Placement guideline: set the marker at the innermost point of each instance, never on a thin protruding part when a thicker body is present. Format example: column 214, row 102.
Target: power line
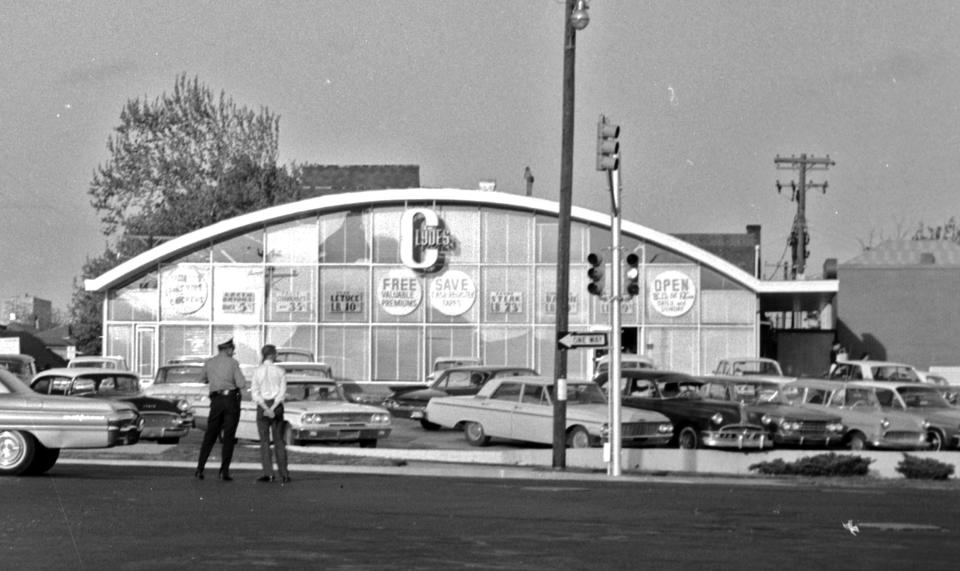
column 799, row 235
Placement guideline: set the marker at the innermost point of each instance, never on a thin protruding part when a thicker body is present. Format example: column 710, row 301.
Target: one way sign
column 569, row 340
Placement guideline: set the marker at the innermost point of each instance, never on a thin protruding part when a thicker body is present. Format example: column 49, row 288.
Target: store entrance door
column 144, row 361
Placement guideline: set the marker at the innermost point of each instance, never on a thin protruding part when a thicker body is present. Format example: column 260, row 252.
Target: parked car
column 98, row 362
column 317, row 411
column 163, row 421
column 455, row 381
column 867, row 425
column 926, row 403
column 697, row 421
column 34, row 428
column 443, row 363
column 868, row 370
column 627, row 361
column 756, row 367
column 767, row 406
column 23, row 366
column 362, row 394
column 182, row 382
column 949, row 392
column 521, row 408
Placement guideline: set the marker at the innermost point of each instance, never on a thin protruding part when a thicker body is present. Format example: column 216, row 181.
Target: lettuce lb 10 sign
column 672, row 293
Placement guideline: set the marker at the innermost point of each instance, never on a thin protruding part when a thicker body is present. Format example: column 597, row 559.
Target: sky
column 707, row 95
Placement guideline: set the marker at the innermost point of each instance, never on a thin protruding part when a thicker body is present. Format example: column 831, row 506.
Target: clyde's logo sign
column 423, row 239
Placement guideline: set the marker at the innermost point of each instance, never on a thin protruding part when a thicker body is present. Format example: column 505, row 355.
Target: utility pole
column 799, row 236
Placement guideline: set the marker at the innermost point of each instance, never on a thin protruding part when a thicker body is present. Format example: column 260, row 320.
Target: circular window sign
column 185, row 290
column 672, row 293
column 452, row 293
column 399, row 292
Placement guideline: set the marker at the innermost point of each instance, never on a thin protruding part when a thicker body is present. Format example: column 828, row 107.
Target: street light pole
column 575, row 18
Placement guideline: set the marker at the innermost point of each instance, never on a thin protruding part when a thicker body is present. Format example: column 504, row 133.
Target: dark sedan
column 766, row 405
column 163, row 420
column 697, row 421
column 455, row 381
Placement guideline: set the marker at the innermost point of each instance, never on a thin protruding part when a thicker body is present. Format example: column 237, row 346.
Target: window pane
column 453, row 295
column 399, row 295
column 136, row 301
column 245, row 249
column 507, row 238
column 451, row 342
column 295, row 242
column 120, row 341
column 463, row 224
column 346, row 350
column 290, row 293
column 344, row 294
column 238, row 294
column 397, row 354
column 178, row 341
column 344, row 237
column 386, row 232
column 508, row 294
column 507, row 346
column 294, row 336
column 247, row 339
column 185, row 292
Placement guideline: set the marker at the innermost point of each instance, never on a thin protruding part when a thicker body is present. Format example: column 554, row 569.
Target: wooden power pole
column 799, row 236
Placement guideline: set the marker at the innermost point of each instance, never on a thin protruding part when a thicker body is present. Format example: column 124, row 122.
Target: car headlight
column 665, row 428
column 835, row 427
column 717, row 418
column 767, row 419
column 183, row 405
column 380, row 418
column 390, row 403
column 885, row 423
column 605, row 430
column 311, row 418
column 789, row 424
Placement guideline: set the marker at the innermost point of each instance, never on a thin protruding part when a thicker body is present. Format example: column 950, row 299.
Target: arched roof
column 353, row 200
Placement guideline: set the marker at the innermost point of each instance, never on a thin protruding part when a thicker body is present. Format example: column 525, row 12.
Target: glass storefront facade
column 379, row 291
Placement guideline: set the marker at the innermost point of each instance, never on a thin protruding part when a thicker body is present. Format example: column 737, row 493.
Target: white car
column 316, row 410
column 870, row 370
column 99, row 362
column 755, row 367
column 181, row 381
column 521, row 408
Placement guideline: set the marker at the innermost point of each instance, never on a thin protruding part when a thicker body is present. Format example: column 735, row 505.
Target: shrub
column 820, row 465
column 915, row 468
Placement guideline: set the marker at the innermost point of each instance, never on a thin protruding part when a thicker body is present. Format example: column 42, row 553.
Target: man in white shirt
column 267, row 390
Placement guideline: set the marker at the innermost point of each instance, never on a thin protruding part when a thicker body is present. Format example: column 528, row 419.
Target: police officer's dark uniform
column 226, row 381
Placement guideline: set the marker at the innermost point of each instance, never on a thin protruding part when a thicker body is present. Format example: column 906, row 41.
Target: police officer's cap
column 228, row 344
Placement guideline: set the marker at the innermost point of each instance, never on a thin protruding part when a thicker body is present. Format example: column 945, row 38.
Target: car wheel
column 934, row 440
column 17, row 450
column 368, row 443
column 688, row 438
column 473, row 432
column 43, row 459
column 857, row 442
column 578, row 437
column 427, row 425
column 288, row 437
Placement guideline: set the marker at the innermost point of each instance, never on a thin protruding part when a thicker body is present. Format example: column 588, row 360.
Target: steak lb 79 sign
column 672, row 293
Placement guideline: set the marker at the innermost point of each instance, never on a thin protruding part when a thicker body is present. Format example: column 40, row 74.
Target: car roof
column 896, row 385
column 185, row 364
column 872, row 363
column 742, row 379
column 76, row 372
column 490, row 368
column 17, row 357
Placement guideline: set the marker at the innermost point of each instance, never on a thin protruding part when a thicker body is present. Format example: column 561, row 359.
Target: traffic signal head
column 595, row 274
column 633, row 274
column 608, row 147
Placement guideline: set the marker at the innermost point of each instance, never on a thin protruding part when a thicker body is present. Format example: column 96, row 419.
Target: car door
column 497, row 410
column 532, row 418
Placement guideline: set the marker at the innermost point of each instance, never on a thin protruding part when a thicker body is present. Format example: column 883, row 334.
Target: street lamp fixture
column 579, row 18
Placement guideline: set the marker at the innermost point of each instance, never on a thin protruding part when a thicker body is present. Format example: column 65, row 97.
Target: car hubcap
column 475, row 431
column 11, row 449
column 580, row 440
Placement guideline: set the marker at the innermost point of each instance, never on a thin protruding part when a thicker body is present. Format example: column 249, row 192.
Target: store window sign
column 453, row 293
column 346, row 302
column 185, row 290
column 399, row 292
column 292, row 302
column 506, row 302
column 672, row 293
column 423, row 239
column 550, row 303
column 244, row 302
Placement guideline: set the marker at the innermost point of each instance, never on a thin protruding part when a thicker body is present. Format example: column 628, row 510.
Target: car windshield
column 923, row 397
column 113, row 384
column 895, row 373
column 582, row 393
column 312, row 392
column 755, row 368
column 177, row 375
column 861, row 397
column 758, row 393
column 15, row 366
column 310, row 372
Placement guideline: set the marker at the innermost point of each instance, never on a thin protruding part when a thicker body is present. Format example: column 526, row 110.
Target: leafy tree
column 181, row 162
column 176, row 150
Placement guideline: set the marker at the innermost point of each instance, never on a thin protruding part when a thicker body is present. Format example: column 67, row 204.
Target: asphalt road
column 133, row 517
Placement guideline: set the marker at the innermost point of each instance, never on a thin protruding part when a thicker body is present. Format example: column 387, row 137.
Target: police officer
column 223, row 374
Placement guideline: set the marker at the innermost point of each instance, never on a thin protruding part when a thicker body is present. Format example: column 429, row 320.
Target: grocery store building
column 380, row 283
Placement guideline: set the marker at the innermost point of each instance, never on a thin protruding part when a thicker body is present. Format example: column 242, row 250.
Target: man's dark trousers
column 224, row 416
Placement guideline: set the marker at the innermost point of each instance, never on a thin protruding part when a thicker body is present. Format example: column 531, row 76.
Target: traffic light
column 608, row 148
column 595, row 273
column 633, row 274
